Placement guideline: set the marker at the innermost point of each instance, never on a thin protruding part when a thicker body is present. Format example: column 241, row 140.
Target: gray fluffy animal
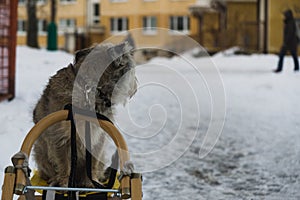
column 101, row 77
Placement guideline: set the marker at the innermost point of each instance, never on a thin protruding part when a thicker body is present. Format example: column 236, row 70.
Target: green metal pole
column 52, row 29
column 52, row 37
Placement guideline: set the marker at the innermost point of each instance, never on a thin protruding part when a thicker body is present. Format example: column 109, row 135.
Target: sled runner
column 16, row 179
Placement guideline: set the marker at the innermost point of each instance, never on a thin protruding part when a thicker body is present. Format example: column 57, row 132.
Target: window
column 116, row 1
column 96, row 14
column 67, row 1
column 42, row 26
column 66, row 25
column 180, row 23
column 21, row 26
column 149, row 24
column 22, row 2
column 41, row 2
column 118, row 24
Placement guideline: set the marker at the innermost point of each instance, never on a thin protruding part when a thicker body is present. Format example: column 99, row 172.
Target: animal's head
column 105, row 76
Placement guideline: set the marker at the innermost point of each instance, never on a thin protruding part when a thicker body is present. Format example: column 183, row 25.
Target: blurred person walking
column 290, row 41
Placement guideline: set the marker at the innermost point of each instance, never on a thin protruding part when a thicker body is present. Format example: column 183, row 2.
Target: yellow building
column 226, row 23
column 77, row 20
column 255, row 25
column 215, row 24
column 154, row 19
column 84, row 22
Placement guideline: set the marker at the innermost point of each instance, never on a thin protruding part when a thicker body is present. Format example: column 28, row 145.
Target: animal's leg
column 45, row 167
column 98, row 170
column 60, row 157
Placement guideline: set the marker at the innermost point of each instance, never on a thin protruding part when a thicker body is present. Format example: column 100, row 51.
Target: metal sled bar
column 62, row 115
column 69, row 189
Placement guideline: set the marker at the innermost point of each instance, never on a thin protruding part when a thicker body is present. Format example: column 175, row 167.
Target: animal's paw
column 86, row 184
column 128, row 168
column 59, row 181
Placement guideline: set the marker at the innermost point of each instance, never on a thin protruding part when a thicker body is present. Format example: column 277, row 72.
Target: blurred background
column 255, row 25
column 251, row 25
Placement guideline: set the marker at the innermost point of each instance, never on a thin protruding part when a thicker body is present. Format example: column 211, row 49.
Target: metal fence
column 8, row 28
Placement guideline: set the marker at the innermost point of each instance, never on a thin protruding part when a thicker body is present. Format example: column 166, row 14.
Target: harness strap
column 113, row 169
column 113, row 172
column 71, row 194
column 88, row 156
column 87, row 113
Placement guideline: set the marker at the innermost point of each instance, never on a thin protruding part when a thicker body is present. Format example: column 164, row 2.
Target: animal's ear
column 117, row 50
column 130, row 41
column 123, row 48
column 81, row 54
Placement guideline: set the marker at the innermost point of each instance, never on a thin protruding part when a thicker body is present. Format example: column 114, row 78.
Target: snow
column 185, row 107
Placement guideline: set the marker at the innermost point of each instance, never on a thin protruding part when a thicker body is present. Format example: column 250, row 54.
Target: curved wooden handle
column 62, row 115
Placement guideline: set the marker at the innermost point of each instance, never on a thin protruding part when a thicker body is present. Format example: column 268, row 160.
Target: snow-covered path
column 258, row 153
column 256, row 157
column 263, row 125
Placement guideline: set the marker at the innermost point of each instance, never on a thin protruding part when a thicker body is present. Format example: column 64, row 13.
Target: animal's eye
column 99, row 92
column 121, row 65
column 117, row 64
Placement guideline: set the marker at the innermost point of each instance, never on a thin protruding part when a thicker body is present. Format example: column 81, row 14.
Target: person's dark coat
column 290, row 40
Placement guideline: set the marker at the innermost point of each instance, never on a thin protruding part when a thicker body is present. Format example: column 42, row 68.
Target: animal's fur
column 100, row 77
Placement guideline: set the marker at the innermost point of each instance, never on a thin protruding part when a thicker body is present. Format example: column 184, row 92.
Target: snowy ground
column 257, row 155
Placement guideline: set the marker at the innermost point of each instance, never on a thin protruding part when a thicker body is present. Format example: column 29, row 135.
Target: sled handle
column 62, row 115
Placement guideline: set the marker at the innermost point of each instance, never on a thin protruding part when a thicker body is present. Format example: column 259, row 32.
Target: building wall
column 73, row 10
column 135, row 10
column 275, row 21
column 211, row 31
column 234, row 26
column 242, row 24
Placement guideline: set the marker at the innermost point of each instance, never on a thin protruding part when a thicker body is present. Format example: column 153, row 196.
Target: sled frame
column 15, row 178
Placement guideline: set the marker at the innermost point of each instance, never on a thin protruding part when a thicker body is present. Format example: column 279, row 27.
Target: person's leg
column 281, row 56
column 295, row 57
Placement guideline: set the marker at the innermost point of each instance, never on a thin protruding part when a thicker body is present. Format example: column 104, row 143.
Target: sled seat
column 36, row 180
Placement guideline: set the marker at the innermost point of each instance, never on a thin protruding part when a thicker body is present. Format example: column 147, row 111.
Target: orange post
column 8, row 184
column 136, row 187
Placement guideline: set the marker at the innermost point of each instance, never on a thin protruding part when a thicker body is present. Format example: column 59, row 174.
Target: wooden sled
column 16, row 179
